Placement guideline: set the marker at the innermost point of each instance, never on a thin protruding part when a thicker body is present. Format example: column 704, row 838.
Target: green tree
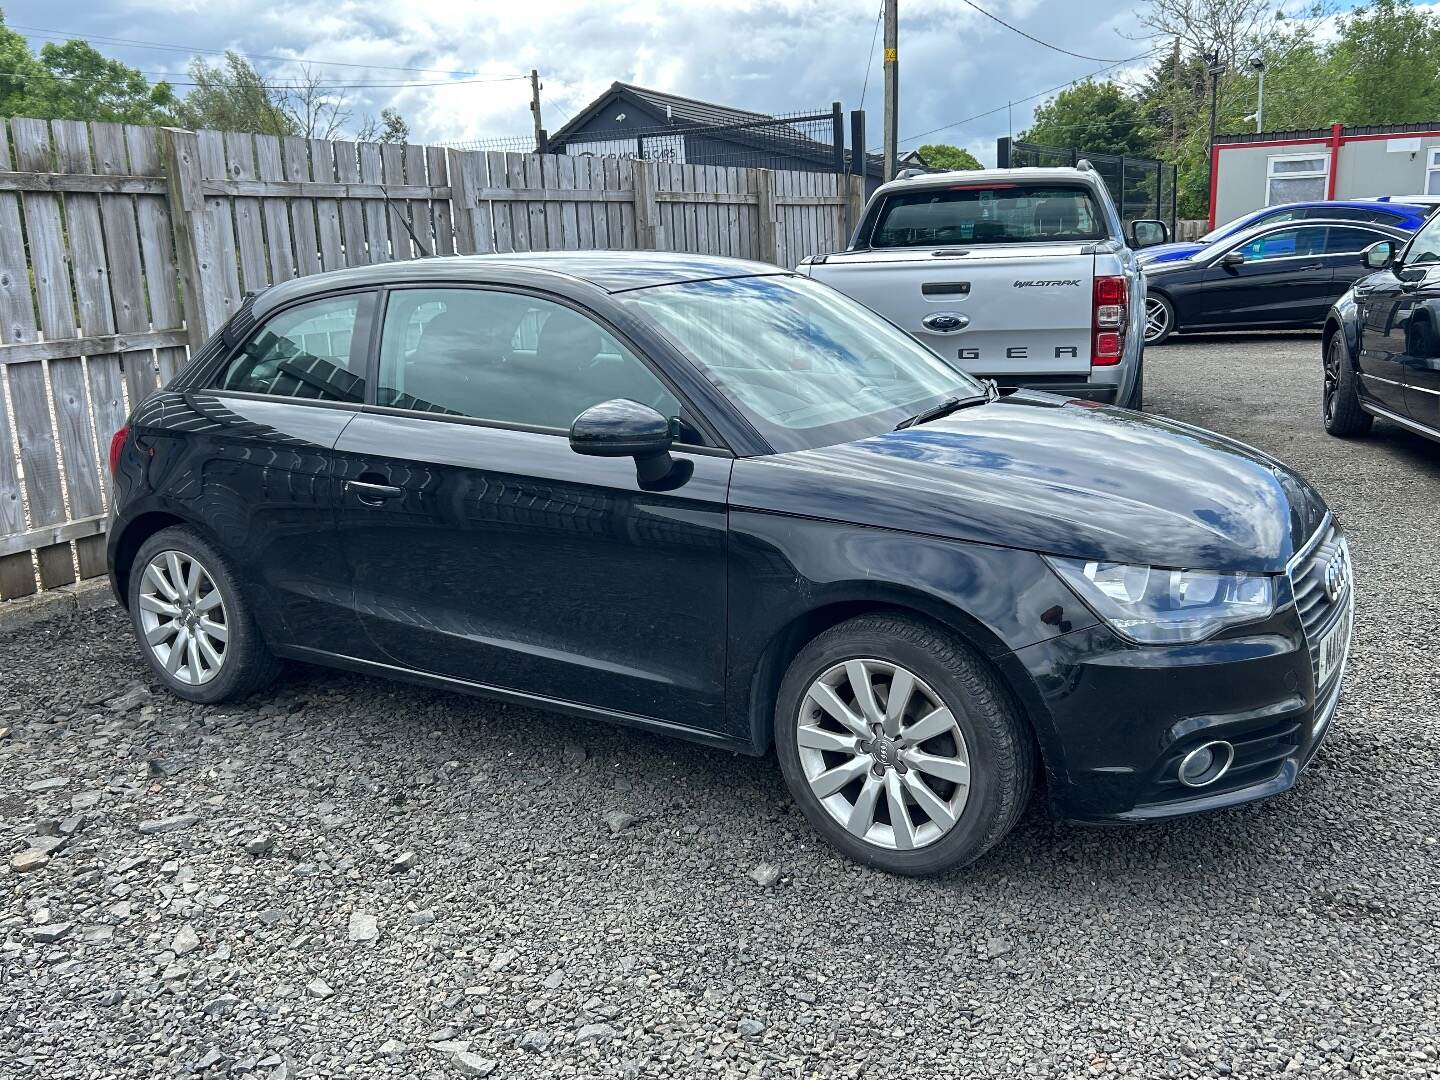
column 233, row 96
column 390, row 128
column 17, row 62
column 1388, row 57
column 1096, row 116
column 944, row 156
column 77, row 83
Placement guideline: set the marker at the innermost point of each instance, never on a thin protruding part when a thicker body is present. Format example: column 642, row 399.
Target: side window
column 314, row 350
column 1284, row 244
column 505, row 356
column 1425, row 248
column 1342, row 241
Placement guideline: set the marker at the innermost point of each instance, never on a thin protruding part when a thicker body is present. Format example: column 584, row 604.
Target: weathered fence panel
column 123, row 247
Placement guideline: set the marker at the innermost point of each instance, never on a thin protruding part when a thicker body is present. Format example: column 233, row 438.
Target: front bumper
column 1116, row 719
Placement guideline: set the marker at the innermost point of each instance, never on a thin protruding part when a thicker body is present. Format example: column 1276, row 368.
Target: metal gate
column 1141, row 187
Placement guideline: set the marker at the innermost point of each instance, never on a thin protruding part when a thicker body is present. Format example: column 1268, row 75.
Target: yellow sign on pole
column 891, row 55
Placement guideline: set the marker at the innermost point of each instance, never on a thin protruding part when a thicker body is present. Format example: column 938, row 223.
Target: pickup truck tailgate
column 1002, row 296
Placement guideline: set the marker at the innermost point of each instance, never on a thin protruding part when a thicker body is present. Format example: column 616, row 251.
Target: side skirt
column 1405, row 422
column 515, row 697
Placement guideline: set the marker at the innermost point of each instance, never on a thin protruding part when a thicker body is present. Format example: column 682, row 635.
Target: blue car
column 1407, row 216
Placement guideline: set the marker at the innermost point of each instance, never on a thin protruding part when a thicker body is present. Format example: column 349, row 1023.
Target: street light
column 1257, row 64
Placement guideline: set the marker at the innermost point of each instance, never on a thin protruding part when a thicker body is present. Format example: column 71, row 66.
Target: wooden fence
column 122, row 247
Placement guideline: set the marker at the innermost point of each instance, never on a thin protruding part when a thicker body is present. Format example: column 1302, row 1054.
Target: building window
column 1432, row 171
column 1296, row 178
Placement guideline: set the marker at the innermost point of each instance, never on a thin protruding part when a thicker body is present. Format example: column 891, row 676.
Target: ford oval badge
column 945, row 322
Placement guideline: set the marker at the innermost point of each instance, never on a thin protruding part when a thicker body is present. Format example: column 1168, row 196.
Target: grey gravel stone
column 403, row 863
column 537, row 1042
column 168, row 824
column 23, row 862
column 765, row 875
column 319, row 988
column 469, row 1064
column 619, row 821
column 259, row 845
column 186, row 940
column 51, row 932
column 363, row 926
column 133, row 698
column 595, row 1033
column 750, row 1026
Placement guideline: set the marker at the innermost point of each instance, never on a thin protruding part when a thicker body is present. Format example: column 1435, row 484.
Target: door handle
column 373, row 494
column 1313, row 266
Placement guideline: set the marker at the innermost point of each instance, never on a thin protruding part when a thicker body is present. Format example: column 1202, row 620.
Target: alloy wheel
column 883, row 754
column 1157, row 319
column 182, row 617
column 1332, row 378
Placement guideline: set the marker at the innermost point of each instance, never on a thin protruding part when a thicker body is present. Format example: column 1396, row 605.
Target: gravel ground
column 348, row 877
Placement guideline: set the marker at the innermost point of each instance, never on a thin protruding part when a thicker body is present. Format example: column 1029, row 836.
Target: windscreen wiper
column 945, row 408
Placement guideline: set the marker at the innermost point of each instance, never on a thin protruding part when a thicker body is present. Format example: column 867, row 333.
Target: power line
column 40, row 31
column 1032, row 97
column 165, row 78
column 1036, row 40
column 870, row 60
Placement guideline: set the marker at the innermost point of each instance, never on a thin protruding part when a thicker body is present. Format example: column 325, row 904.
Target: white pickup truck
column 1023, row 276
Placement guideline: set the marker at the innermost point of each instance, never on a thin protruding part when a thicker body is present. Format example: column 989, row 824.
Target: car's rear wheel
column 1340, row 405
column 900, row 745
column 1159, row 319
column 195, row 629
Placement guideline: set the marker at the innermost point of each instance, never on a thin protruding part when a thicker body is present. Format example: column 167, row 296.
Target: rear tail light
column 1112, row 313
column 117, row 441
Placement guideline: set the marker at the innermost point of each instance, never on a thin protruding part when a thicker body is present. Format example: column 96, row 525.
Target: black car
column 1381, row 344
column 1273, row 277
column 718, row 500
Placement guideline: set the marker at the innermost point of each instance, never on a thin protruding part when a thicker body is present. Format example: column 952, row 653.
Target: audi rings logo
column 945, row 322
column 1335, row 575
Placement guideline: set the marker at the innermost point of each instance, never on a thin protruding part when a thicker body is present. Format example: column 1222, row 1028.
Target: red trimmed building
column 1249, row 172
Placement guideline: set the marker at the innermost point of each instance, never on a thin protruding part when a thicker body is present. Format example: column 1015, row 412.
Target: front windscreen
column 1008, row 213
column 805, row 364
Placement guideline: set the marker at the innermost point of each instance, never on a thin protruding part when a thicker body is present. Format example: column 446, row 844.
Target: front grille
column 1318, row 609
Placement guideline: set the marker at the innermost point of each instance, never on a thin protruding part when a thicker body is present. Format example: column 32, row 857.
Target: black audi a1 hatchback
column 717, row 500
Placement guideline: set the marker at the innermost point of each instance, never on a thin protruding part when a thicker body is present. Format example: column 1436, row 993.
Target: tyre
column 1340, row 406
column 901, row 746
column 1159, row 319
column 194, row 627
column 1136, row 398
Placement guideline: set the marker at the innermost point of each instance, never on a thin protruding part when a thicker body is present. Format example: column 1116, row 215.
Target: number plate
column 1334, row 646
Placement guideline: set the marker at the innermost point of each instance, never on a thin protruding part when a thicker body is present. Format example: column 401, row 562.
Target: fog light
column 1206, row 764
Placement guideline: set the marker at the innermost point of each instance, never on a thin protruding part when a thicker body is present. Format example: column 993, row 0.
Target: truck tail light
column 117, row 441
column 1112, row 313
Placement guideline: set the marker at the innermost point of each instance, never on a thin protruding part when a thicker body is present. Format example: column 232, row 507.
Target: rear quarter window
column 988, row 214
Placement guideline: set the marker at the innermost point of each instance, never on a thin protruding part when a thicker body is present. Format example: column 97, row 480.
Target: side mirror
column 1147, row 233
column 1233, row 258
column 1379, row 255
column 624, row 428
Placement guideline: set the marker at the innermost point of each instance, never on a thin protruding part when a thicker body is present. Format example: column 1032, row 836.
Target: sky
column 465, row 60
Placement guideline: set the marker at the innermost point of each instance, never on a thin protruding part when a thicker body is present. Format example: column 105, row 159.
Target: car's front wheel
column 195, row 629
column 1341, row 402
column 1159, row 319
column 901, row 746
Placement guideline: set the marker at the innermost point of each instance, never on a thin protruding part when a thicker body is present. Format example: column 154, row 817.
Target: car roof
column 1399, row 207
column 993, row 176
column 1241, row 236
column 610, row 271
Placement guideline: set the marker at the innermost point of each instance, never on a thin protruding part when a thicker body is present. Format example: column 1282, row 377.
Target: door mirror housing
column 1233, row 258
column 624, row 428
column 1379, row 255
column 1147, row 232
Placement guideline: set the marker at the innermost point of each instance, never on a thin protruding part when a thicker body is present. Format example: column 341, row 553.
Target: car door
column 1394, row 352
column 483, row 548
column 1282, row 282
column 264, row 428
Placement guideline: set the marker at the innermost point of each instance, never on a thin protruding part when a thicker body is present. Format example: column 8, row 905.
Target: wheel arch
column 782, row 648
column 1336, row 324
column 132, row 535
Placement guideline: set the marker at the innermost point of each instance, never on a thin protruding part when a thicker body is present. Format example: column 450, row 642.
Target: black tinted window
column 988, row 214
column 314, row 350
column 1342, row 241
column 507, row 357
column 1354, row 213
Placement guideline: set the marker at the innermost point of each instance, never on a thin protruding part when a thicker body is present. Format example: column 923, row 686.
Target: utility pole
column 535, row 111
column 1213, row 68
column 892, row 87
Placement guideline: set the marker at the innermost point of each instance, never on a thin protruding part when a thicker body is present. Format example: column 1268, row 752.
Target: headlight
column 1155, row 606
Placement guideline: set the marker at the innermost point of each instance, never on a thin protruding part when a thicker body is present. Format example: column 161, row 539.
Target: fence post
column 858, row 171
column 196, row 251
column 765, row 219
column 471, row 222
column 1002, row 152
column 649, row 234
